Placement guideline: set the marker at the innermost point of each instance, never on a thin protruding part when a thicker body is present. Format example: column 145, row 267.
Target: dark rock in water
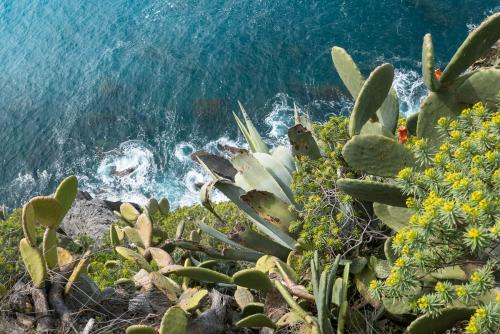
column 122, row 173
column 232, row 150
column 89, row 217
column 219, row 165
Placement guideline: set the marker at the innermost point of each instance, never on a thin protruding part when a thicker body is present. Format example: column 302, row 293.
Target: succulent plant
column 257, row 320
column 49, row 212
column 445, row 321
column 453, row 91
column 253, row 279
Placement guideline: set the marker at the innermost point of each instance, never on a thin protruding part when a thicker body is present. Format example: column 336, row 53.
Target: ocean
column 96, row 86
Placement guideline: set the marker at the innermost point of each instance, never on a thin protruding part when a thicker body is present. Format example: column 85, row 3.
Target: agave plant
column 261, row 189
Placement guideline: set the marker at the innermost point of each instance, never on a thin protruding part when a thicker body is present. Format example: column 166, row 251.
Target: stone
column 91, row 217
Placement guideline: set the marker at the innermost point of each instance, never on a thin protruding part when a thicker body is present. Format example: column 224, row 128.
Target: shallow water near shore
column 92, row 87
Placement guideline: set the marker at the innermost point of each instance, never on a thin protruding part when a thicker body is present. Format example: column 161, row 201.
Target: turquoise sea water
column 89, row 86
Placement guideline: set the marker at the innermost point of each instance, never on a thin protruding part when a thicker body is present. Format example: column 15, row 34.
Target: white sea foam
column 280, row 118
column 136, row 161
column 183, row 151
column 410, row 89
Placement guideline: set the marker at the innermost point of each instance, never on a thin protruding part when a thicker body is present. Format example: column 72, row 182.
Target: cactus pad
column 266, row 263
column 34, row 262
column 28, row 222
column 446, row 320
column 373, row 191
column 129, row 212
column 411, row 123
column 377, row 155
column 375, row 128
column 252, row 308
column 161, row 257
column 133, row 236
column 140, row 329
column 152, row 206
column 303, row 143
column 113, row 236
column 243, row 296
column 144, row 227
column 476, row 44
column 48, row 211
column 348, row 71
column 203, row 275
column 394, row 217
column 370, row 98
column 430, row 79
column 482, row 85
column 253, row 279
column 79, row 269
column 390, row 255
column 174, row 321
column 194, row 236
column 66, row 192
column 191, row 299
column 166, row 285
column 134, row 257
column 164, row 206
column 207, row 264
column 450, row 273
column 258, row 320
column 435, row 106
column 49, row 247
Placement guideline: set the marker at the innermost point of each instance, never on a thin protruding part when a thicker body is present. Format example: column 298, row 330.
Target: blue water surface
column 92, row 86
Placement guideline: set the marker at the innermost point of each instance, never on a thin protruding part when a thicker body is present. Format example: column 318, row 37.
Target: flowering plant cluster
column 330, row 221
column 456, row 224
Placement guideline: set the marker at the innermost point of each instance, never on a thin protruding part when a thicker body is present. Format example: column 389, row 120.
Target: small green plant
column 330, row 222
column 10, row 234
column 456, row 227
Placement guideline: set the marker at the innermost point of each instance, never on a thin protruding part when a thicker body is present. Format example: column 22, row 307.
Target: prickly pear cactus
column 454, row 91
column 203, row 275
column 49, row 248
column 377, row 155
column 253, row 279
column 174, row 321
column 258, row 320
column 34, row 262
column 140, row 329
column 373, row 191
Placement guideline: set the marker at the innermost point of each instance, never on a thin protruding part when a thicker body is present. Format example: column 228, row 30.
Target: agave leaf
column 257, row 141
column 270, row 208
column 234, row 193
column 257, row 176
column 283, row 156
column 280, row 173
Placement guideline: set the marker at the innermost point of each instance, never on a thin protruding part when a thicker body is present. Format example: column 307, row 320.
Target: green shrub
column 228, row 211
column 10, row 234
column 457, row 220
column 105, row 276
column 330, row 222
